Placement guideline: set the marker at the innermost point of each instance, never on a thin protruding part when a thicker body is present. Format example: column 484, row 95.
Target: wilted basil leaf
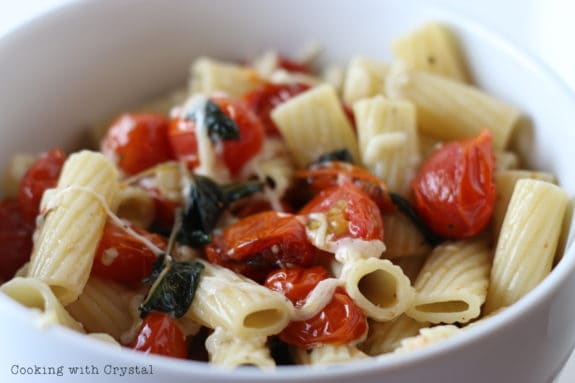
column 204, row 205
column 219, row 125
column 157, row 268
column 342, row 155
column 175, row 291
column 404, row 206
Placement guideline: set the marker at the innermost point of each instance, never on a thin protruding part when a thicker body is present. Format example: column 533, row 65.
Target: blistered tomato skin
column 123, row 258
column 137, row 142
column 296, row 282
column 42, row 175
column 331, row 173
column 339, row 322
column 161, row 335
column 15, row 238
column 454, row 189
column 266, row 97
column 349, row 211
column 235, row 153
column 259, row 243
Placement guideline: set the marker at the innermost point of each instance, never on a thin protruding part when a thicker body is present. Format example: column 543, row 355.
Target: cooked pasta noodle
column 73, row 224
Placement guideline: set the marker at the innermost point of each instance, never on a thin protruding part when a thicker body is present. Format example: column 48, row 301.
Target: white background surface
column 544, row 28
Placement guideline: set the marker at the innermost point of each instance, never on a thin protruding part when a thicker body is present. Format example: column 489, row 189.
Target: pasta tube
column 449, row 110
column 237, row 304
column 103, row 306
column 378, row 287
column 209, row 76
column 313, row 123
column 67, row 240
column 527, row 241
column 387, row 134
column 364, row 78
column 384, row 337
column 35, row 294
column 453, row 283
column 432, row 48
column 228, row 350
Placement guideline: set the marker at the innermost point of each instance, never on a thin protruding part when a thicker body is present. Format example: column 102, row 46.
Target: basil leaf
column 405, row 207
column 204, row 206
column 174, row 292
column 342, row 155
column 219, row 125
column 157, row 268
column 206, row 202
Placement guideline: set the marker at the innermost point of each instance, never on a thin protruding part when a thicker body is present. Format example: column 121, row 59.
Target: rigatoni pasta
column 432, row 48
column 314, row 123
column 387, row 134
column 364, row 78
column 452, row 285
column 104, row 307
column 35, row 294
column 527, row 241
column 384, row 337
column 449, row 110
column 73, row 224
column 237, row 304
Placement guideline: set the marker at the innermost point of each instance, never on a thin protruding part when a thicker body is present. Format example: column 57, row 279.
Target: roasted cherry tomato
column 454, row 189
column 122, row 257
column 269, row 95
column 297, row 282
column 42, row 175
column 137, row 142
column 350, row 213
column 339, row 322
column 160, row 334
column 324, row 175
column 259, row 243
column 292, row 65
column 234, row 153
column 15, row 238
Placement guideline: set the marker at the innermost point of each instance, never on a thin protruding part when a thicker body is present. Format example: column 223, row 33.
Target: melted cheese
column 210, row 163
column 271, row 162
column 316, row 300
column 345, row 249
column 54, row 200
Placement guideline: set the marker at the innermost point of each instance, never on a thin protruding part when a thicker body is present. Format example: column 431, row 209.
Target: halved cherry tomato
column 122, row 257
column 269, row 95
column 454, row 190
column 324, row 175
column 259, row 243
column 138, row 141
column 339, row 322
column 160, row 334
column 15, row 238
column 292, row 65
column 235, row 154
column 42, row 175
column 349, row 211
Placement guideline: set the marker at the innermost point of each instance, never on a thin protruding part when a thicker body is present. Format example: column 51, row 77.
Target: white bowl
column 90, row 59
